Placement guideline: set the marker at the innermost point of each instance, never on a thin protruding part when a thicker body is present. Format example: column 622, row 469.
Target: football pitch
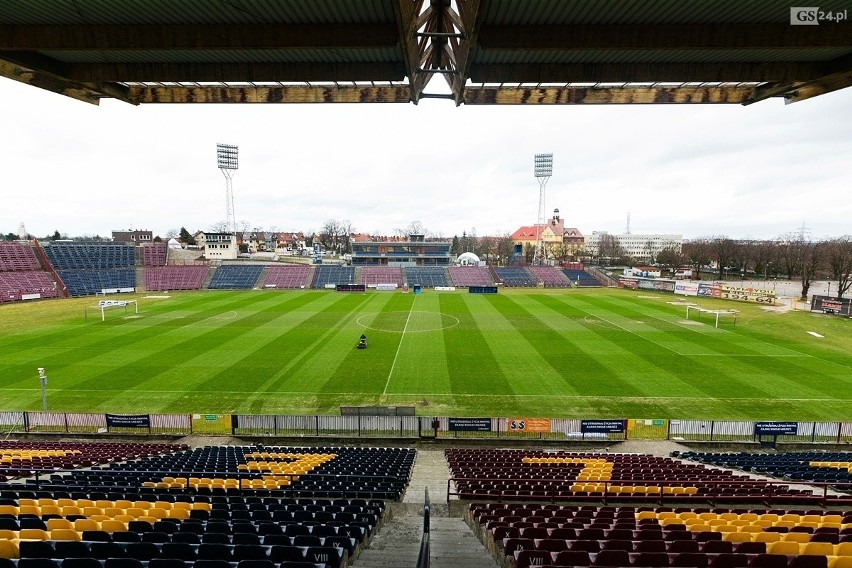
column 549, row 353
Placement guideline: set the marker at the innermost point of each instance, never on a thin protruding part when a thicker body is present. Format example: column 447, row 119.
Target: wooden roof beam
column 49, row 74
column 195, row 37
column 646, row 72
column 607, row 95
column 285, row 94
column 235, row 72
column 661, row 37
column 839, row 76
column 408, row 21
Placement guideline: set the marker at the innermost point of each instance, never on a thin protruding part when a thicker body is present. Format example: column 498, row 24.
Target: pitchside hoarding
column 776, row 428
column 828, row 305
column 756, row 295
column 469, row 424
column 602, row 426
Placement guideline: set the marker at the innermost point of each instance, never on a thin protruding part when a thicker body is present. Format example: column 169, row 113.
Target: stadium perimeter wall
column 446, row 429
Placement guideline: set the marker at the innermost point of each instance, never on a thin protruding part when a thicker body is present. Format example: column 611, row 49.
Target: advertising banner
column 776, row 428
column 686, row 288
column 469, row 424
column 757, row 295
column 709, row 290
column 602, row 426
column 528, row 425
column 828, row 305
column 128, row 420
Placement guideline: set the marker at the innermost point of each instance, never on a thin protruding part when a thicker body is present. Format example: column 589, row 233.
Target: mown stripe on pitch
column 470, row 360
column 541, row 321
column 782, row 374
column 421, row 365
column 526, row 349
column 83, row 344
column 661, row 370
column 256, row 366
column 596, row 351
column 366, row 371
column 206, row 347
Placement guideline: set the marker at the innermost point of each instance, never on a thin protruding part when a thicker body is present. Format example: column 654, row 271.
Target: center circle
column 408, row 322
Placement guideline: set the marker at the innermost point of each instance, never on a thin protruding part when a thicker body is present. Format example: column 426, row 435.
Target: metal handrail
column 423, row 556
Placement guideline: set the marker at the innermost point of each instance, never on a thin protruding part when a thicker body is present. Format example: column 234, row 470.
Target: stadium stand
column 514, row 277
column 21, row 274
column 549, row 276
column 559, row 476
column 466, row 276
column 293, row 276
column 208, row 504
column 235, row 277
column 87, row 255
column 88, row 267
column 814, row 466
column 17, row 257
column 426, row 276
column 580, row 277
column 154, row 254
column 175, row 277
column 571, row 535
column 373, row 275
column 88, row 282
column 15, row 285
column 331, row 275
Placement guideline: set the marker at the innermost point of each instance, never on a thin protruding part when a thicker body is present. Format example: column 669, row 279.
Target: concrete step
column 452, row 544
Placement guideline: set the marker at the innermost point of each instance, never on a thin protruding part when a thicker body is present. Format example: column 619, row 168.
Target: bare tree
column 839, row 260
column 220, row 227
column 670, row 258
column 697, row 252
column 505, row 248
column 723, row 251
column 413, row 228
column 610, row 249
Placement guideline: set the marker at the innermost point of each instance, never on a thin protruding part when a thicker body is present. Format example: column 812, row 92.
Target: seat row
column 327, row 551
column 623, row 559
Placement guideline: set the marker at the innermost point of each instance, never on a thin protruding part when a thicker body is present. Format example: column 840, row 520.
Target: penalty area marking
column 815, row 334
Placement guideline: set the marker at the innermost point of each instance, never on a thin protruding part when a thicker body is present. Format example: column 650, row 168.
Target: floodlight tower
column 226, row 159
column 543, row 169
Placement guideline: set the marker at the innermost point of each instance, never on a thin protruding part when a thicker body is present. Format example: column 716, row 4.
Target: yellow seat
column 771, row 517
column 89, row 524
column 750, row 517
column 113, row 525
column 783, row 547
column 753, row 529
column 9, row 549
column 33, row 534
column 840, row 562
column 767, row 537
column 737, row 537
column 687, row 514
column 817, row 549
column 9, row 510
column 59, row 524
column 64, row 534
column 796, row 537
column 843, row 549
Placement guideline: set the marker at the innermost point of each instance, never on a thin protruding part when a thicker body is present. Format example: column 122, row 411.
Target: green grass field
column 575, row 353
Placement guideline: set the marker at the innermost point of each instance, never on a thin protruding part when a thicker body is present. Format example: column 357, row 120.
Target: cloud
column 755, row 171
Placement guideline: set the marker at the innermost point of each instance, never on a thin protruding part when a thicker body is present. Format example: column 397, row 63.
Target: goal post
column 104, row 305
column 717, row 315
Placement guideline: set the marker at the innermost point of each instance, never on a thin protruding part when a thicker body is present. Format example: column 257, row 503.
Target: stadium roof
column 479, row 51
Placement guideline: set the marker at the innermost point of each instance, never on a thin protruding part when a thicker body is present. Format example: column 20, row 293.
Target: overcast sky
column 758, row 171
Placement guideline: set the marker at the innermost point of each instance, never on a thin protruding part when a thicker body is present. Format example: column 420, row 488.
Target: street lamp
column 43, row 376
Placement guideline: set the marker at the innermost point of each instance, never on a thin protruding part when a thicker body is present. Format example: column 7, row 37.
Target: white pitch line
column 398, row 348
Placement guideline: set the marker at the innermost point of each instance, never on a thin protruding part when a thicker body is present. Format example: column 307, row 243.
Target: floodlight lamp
column 227, row 156
column 41, row 372
column 543, row 165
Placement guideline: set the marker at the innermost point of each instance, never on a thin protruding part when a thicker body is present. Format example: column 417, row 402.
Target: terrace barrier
column 713, row 492
column 391, row 426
